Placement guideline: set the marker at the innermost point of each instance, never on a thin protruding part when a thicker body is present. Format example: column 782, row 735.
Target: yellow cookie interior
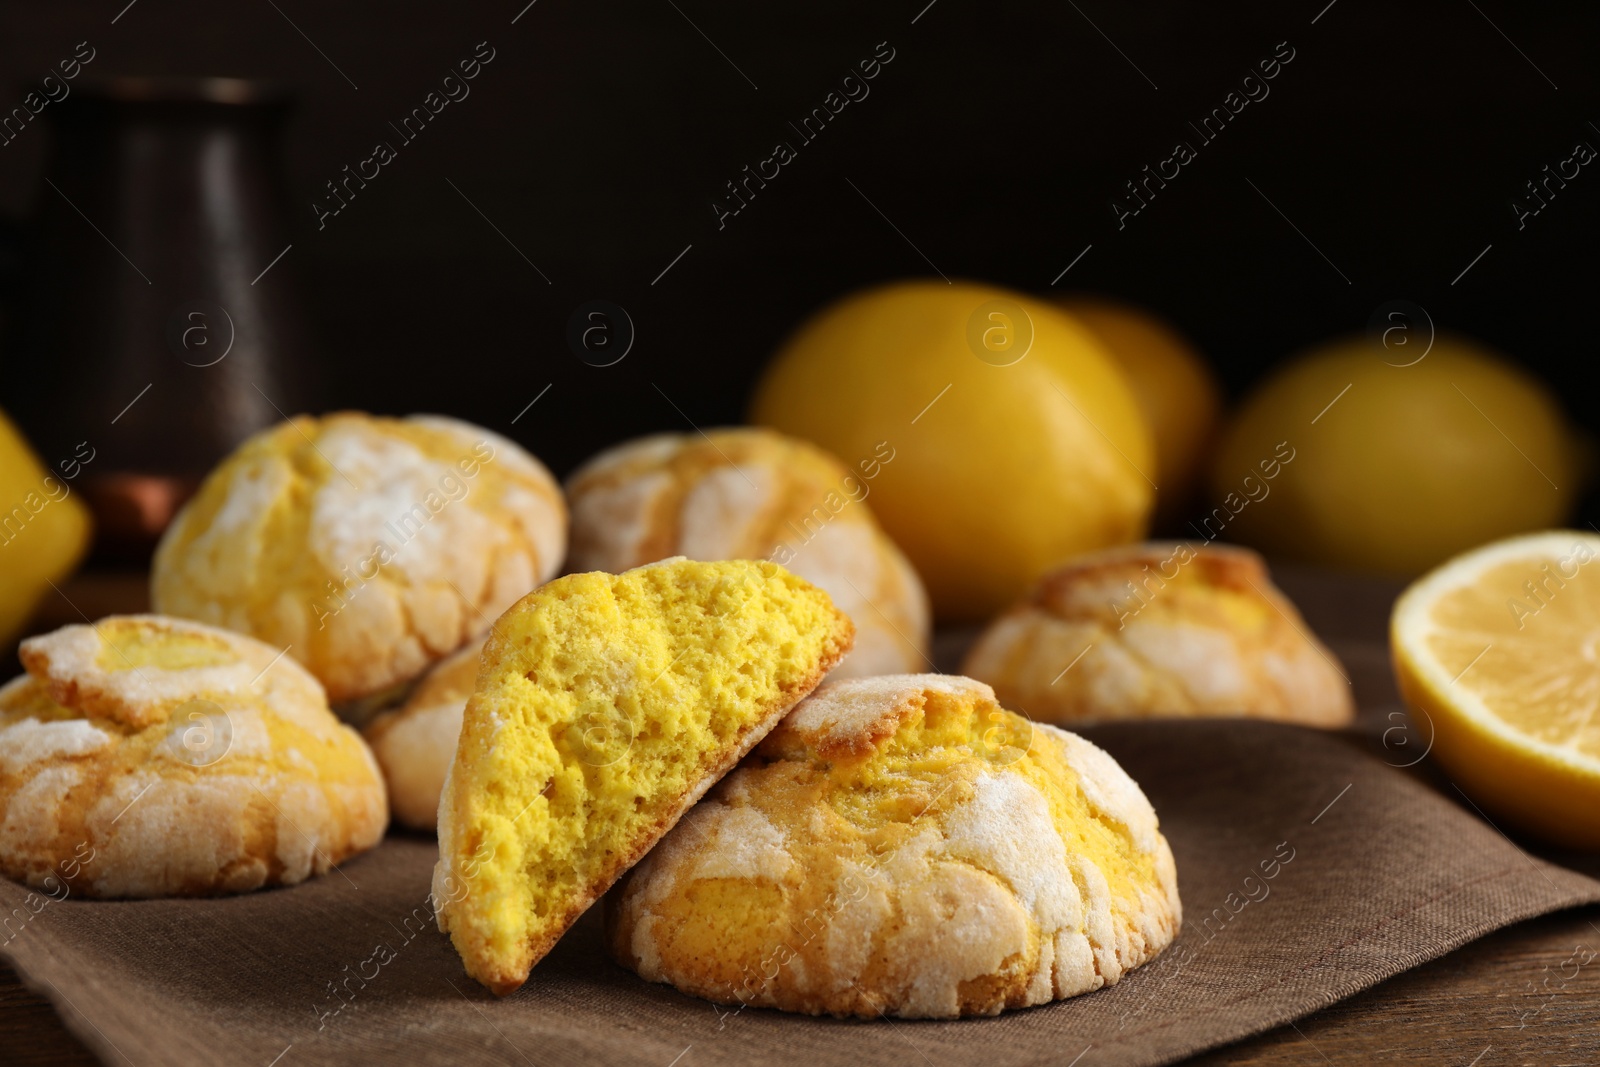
column 130, row 644
column 604, row 705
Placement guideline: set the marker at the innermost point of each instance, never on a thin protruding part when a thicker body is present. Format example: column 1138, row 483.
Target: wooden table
column 1515, row 997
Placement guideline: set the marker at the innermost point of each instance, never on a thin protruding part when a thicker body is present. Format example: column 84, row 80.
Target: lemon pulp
column 1499, row 650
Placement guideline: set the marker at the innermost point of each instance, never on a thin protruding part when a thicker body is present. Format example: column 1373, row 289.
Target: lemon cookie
column 605, row 706
column 415, row 743
column 145, row 756
column 756, row 494
column 1161, row 629
column 904, row 846
column 369, row 547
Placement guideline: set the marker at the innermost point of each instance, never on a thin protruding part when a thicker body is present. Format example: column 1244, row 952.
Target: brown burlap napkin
column 1309, row 870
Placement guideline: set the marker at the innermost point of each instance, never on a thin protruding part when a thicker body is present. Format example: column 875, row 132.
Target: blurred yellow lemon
column 1008, row 438
column 43, row 530
column 1391, row 468
column 1498, row 653
column 1175, row 389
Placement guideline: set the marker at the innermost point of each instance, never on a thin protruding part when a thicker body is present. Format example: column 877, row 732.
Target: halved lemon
column 1499, row 651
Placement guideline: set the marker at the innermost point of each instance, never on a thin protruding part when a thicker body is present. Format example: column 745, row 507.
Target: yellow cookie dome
column 755, row 494
column 1161, row 629
column 368, row 547
column 605, row 706
column 145, row 756
column 904, row 846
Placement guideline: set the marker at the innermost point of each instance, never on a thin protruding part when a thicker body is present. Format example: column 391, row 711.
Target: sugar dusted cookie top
column 903, row 845
column 1161, row 629
column 370, row 547
column 146, row 756
column 750, row 493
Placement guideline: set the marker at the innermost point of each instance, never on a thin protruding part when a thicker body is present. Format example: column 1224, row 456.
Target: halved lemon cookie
column 369, row 547
column 605, row 706
column 904, row 846
column 146, row 756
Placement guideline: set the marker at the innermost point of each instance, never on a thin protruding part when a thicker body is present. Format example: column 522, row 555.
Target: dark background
column 995, row 140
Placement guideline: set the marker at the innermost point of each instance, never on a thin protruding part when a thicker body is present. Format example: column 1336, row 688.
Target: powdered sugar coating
column 749, row 846
column 84, row 667
column 1161, row 629
column 369, row 547
column 145, row 756
column 29, row 741
column 844, row 714
column 721, row 513
column 971, row 900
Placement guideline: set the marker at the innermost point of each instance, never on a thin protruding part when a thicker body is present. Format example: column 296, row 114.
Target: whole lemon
column 1391, row 468
column 44, row 529
column 1174, row 386
column 1000, row 436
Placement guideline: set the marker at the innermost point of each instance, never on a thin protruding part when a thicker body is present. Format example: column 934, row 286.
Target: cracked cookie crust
column 904, row 846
